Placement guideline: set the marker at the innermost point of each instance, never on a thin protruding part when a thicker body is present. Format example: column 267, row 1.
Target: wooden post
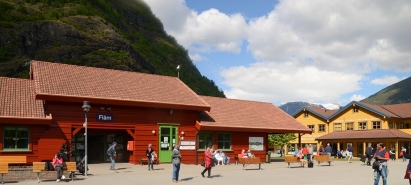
column 299, row 140
column 364, row 146
column 396, row 150
column 338, row 147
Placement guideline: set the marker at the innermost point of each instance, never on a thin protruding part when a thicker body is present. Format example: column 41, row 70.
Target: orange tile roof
column 365, row 134
column 323, row 112
column 17, row 99
column 403, row 110
column 234, row 115
column 380, row 109
column 63, row 81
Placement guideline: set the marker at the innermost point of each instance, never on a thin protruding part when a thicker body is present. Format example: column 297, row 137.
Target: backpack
column 110, row 151
column 48, row 166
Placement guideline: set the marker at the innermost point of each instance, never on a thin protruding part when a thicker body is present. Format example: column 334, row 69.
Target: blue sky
column 294, row 50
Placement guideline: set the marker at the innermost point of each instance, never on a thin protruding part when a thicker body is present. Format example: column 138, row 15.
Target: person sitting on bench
column 58, row 166
column 218, row 157
column 244, row 154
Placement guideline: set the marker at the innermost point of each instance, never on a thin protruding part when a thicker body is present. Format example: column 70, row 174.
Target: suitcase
column 310, row 164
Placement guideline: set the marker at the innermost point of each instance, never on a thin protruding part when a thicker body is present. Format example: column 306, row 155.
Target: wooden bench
column 323, row 158
column 291, row 159
column 38, row 167
column 248, row 161
column 145, row 160
column 6, row 160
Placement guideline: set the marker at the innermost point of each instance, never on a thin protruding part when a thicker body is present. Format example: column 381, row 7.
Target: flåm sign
column 105, row 117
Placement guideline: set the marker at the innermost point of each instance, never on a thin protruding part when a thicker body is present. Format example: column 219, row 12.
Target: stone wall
column 22, row 173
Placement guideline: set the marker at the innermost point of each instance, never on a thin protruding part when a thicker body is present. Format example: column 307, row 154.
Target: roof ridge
column 10, row 78
column 389, row 111
column 238, row 99
column 100, row 68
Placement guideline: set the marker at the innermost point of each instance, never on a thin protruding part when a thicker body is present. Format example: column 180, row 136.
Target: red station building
column 134, row 109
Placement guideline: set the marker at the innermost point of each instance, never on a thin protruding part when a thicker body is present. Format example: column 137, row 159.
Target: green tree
column 280, row 139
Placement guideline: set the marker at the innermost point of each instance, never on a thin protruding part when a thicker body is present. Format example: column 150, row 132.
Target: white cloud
column 267, row 81
column 196, row 57
column 335, row 35
column 356, row 97
column 209, row 30
column 313, row 51
column 386, row 80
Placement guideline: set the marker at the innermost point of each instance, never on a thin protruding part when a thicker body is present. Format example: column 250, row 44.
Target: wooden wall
column 140, row 121
column 35, row 134
column 45, row 141
column 239, row 141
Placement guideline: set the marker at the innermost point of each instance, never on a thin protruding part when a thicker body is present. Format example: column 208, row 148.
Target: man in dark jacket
column 328, row 149
column 64, row 156
column 368, row 153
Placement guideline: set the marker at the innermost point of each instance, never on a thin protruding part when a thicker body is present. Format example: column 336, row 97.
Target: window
column 376, row 125
column 390, row 125
column 337, row 127
column 349, row 126
column 224, row 141
column 355, row 110
column 305, row 114
column 362, row 126
column 204, row 140
column 407, row 125
column 401, row 125
column 311, row 127
column 321, row 128
column 16, row 138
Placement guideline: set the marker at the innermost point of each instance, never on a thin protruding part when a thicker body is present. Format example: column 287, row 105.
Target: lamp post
column 86, row 107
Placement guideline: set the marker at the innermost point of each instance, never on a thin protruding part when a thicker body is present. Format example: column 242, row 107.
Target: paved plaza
column 339, row 173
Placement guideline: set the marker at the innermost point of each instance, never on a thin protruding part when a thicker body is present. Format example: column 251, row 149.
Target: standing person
column 321, row 150
column 176, row 156
column 328, row 150
column 408, row 169
column 208, row 157
column 310, row 152
column 382, row 156
column 305, row 152
column 149, row 154
column 392, row 154
column 112, row 153
column 403, row 150
column 64, row 156
column 368, row 153
column 58, row 166
column 350, row 150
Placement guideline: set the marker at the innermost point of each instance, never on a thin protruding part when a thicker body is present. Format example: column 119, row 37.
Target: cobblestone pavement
column 340, row 172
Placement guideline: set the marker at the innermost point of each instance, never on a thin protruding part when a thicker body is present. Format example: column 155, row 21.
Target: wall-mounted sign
column 105, row 117
column 188, row 143
column 187, row 147
column 256, row 143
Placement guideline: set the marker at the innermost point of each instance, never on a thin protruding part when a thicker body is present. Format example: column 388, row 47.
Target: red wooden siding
column 239, row 141
column 140, row 121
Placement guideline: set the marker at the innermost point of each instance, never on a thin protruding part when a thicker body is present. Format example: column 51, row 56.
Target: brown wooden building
column 133, row 109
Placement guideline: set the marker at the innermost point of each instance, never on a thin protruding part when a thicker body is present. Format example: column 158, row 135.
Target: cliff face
column 62, row 42
column 115, row 34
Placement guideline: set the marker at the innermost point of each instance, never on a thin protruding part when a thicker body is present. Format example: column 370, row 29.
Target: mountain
column 399, row 92
column 115, row 34
column 292, row 107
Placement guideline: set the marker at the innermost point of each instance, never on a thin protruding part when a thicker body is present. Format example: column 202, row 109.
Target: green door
column 168, row 137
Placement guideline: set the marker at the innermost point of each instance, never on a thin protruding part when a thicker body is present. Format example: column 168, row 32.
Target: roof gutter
column 201, row 127
column 69, row 98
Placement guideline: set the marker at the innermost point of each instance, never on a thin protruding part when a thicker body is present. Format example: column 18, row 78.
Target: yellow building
column 357, row 124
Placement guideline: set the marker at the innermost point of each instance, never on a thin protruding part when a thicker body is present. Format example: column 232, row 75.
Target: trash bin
column 268, row 157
